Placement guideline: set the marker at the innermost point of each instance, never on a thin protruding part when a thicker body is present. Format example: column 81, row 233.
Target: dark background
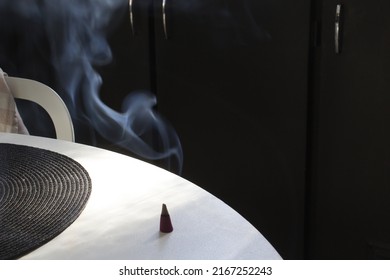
column 272, row 121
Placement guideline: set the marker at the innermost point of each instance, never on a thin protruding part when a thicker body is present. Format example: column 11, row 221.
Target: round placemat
column 41, row 194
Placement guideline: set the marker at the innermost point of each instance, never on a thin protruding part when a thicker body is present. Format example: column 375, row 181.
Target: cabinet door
column 232, row 79
column 130, row 41
column 351, row 160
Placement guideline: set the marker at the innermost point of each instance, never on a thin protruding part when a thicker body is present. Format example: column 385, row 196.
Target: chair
column 49, row 100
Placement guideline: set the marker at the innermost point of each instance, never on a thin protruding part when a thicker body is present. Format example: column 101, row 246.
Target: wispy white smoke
column 75, row 31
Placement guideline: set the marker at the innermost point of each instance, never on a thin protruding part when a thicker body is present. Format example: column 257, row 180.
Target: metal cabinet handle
column 337, row 29
column 164, row 18
column 131, row 16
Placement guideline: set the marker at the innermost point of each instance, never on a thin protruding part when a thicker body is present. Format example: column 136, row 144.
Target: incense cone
column 165, row 220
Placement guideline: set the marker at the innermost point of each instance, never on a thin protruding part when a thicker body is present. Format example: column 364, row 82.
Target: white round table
column 121, row 219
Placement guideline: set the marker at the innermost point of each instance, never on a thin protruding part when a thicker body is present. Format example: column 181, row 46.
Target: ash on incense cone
column 165, row 220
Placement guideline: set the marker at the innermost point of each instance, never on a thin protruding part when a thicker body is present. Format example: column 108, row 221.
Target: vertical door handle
column 131, row 16
column 337, row 30
column 164, row 17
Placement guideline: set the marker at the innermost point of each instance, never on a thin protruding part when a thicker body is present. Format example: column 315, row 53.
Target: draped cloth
column 10, row 120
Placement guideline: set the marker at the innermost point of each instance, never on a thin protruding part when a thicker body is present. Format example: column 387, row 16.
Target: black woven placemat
column 41, row 194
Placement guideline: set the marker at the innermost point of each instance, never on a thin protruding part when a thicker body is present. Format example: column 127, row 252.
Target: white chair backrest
column 48, row 99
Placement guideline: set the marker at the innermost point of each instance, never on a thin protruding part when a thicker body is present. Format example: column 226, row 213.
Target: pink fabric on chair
column 10, row 120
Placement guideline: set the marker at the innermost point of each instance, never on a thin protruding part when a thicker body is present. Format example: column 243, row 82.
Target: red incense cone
column 165, row 220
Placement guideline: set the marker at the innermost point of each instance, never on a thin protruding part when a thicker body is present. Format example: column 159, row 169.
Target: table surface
column 122, row 217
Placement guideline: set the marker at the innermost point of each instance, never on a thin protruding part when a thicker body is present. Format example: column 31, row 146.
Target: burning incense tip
column 165, row 220
column 164, row 210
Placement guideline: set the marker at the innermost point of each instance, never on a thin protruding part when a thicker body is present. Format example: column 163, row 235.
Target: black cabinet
column 231, row 77
column 272, row 120
column 350, row 187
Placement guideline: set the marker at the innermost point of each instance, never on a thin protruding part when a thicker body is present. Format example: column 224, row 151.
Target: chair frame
column 48, row 99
